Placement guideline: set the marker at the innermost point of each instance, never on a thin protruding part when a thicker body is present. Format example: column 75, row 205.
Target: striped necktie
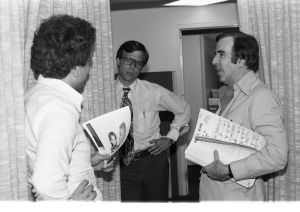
column 127, row 149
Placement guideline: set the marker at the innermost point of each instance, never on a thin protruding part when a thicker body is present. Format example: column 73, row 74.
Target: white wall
column 157, row 29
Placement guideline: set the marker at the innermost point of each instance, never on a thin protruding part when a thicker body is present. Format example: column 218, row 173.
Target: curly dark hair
column 245, row 47
column 61, row 43
column 132, row 46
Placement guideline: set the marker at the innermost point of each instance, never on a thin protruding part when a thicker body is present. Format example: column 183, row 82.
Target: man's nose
column 214, row 61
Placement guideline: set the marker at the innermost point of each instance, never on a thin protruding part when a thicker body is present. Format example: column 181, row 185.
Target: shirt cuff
column 239, row 170
column 173, row 134
column 184, row 129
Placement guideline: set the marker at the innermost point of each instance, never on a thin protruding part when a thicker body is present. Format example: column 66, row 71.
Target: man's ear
column 75, row 72
column 118, row 61
column 241, row 62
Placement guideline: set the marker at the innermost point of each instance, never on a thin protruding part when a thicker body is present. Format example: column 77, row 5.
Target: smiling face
column 227, row 71
column 113, row 140
column 129, row 73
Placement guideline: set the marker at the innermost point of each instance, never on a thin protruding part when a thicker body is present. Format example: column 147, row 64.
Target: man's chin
column 80, row 90
column 130, row 78
column 221, row 79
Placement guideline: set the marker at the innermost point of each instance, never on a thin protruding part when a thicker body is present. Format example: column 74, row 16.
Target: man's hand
column 108, row 165
column 217, row 170
column 102, row 162
column 84, row 192
column 159, row 146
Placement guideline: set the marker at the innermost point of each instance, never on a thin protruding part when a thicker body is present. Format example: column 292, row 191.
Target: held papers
column 109, row 131
column 232, row 141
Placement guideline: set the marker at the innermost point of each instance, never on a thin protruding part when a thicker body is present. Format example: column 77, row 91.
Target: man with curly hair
column 60, row 163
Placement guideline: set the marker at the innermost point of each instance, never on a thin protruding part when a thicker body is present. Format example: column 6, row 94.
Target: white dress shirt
column 147, row 100
column 57, row 149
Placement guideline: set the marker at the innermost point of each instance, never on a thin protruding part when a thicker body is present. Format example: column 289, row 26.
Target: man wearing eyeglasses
column 145, row 166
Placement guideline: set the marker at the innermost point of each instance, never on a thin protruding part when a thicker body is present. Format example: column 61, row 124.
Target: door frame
column 179, row 90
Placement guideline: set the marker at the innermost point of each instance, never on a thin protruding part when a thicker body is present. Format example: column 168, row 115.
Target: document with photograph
column 232, row 141
column 109, row 131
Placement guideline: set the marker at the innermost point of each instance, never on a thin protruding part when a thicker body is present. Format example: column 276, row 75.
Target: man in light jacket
column 247, row 101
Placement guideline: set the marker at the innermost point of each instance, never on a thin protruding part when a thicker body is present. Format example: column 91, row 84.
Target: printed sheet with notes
column 232, row 141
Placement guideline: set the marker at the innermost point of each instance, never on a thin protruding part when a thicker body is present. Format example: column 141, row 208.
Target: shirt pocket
column 240, row 135
column 146, row 121
column 236, row 118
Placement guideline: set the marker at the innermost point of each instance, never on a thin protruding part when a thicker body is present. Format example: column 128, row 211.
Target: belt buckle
column 136, row 156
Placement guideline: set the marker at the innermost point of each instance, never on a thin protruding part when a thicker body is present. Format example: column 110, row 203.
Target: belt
column 141, row 154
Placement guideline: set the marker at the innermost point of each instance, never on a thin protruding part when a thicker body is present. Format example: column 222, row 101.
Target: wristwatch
column 230, row 172
column 171, row 141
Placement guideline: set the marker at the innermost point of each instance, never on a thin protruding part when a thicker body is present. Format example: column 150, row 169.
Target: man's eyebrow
column 220, row 52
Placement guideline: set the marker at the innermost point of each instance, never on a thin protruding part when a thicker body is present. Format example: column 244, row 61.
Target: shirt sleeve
column 56, row 129
column 180, row 108
column 266, row 119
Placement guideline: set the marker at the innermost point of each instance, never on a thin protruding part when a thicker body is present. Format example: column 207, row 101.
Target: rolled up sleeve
column 181, row 110
column 266, row 119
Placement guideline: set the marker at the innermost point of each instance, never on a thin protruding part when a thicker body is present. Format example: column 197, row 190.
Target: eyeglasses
column 129, row 61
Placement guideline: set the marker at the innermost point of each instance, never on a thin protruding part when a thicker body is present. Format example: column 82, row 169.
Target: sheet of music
column 217, row 127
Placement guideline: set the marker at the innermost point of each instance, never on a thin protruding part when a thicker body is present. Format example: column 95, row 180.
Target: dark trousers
column 146, row 179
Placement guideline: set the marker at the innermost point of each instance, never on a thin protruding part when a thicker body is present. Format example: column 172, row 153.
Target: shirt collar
column 247, row 83
column 133, row 86
column 62, row 87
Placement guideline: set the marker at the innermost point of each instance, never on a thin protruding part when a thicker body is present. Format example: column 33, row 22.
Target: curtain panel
column 13, row 166
column 19, row 20
column 276, row 26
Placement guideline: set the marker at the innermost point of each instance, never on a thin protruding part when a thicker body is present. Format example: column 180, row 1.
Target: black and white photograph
column 108, row 132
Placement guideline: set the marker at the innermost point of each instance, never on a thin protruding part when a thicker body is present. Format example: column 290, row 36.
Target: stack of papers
column 232, row 141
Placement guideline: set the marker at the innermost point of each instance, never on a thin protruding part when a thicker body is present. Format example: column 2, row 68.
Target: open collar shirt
column 147, row 100
column 256, row 107
column 57, row 149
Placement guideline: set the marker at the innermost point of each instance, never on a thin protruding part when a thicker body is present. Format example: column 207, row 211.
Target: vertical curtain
column 19, row 19
column 13, row 166
column 276, row 26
